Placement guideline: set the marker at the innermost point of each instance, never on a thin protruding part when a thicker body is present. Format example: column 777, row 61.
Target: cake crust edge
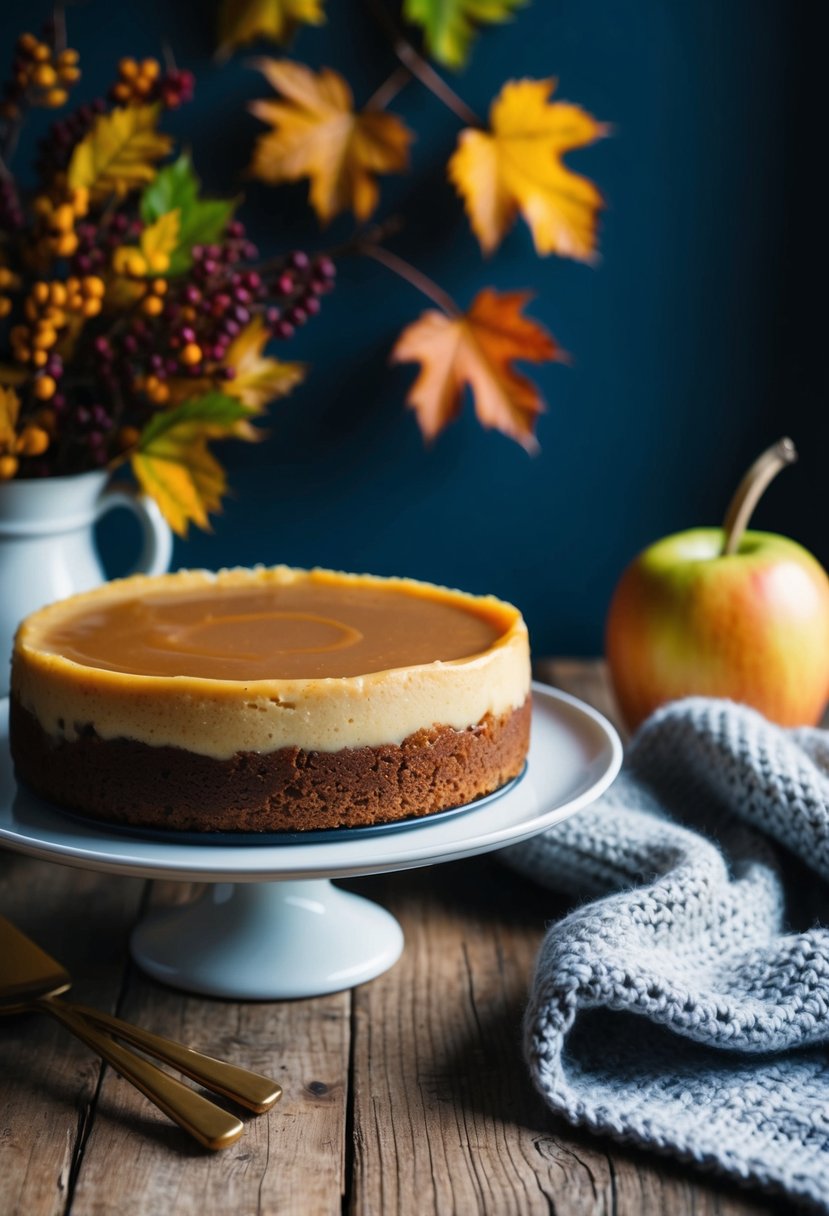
column 132, row 783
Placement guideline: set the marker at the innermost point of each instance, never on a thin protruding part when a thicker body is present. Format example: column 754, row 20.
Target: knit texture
column 685, row 1007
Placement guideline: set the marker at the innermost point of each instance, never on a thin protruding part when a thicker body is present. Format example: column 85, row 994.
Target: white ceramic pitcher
column 47, row 544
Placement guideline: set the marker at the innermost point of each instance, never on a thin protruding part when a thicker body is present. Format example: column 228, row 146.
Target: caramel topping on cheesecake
column 263, row 659
column 302, row 631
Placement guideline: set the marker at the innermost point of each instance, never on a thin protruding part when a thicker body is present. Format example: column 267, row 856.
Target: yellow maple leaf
column 258, row 379
column 476, row 349
column 172, row 462
column 9, row 411
column 516, row 166
column 183, row 477
column 317, row 134
column 240, row 21
column 119, row 153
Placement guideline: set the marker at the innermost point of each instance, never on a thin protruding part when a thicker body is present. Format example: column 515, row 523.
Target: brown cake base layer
column 126, row 782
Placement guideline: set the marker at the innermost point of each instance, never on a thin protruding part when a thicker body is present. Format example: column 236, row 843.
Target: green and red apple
column 724, row 612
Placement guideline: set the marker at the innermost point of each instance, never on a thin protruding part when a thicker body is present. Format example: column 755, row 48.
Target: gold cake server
column 31, row 980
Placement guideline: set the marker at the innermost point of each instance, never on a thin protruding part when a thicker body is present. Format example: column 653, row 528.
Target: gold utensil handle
column 252, row 1090
column 209, row 1124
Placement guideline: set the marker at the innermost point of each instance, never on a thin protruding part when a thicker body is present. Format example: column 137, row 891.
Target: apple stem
column 751, row 489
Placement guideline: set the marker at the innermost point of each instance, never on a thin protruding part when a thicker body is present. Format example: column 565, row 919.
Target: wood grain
column 408, row 1095
column 289, row 1160
column 48, row 1080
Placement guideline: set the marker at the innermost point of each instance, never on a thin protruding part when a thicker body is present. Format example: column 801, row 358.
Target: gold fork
column 31, row 980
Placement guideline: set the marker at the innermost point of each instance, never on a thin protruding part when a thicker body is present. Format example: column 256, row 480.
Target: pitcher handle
column 157, row 537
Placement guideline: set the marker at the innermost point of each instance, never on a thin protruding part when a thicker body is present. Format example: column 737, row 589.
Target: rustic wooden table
column 407, row 1095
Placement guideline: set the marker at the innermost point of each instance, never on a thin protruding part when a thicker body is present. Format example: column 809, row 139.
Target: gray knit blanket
column 685, row 1008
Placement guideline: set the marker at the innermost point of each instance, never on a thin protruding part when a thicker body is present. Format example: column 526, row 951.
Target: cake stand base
column 268, row 941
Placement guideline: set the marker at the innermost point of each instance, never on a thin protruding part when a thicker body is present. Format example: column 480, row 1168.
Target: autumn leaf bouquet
column 134, row 312
column 506, row 166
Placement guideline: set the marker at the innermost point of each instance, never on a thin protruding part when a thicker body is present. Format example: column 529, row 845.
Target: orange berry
column 5, row 306
column 8, row 467
column 44, row 388
column 191, row 354
column 32, row 441
column 39, row 358
column 159, row 287
column 57, row 293
column 27, row 43
column 79, row 198
column 44, row 337
column 136, row 264
column 150, row 68
column 93, row 286
column 55, row 98
column 45, row 76
column 70, row 75
column 66, row 245
column 91, row 308
column 40, row 293
column 159, row 395
column 159, row 262
column 40, row 52
column 127, row 437
column 68, row 57
column 63, row 217
column 152, row 306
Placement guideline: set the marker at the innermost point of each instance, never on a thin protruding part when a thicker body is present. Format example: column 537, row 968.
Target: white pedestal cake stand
column 270, row 925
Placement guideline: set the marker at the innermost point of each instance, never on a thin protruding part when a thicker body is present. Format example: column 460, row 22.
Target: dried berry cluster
column 125, row 296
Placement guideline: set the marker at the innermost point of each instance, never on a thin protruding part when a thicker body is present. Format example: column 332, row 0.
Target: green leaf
column 174, row 186
column 450, row 25
column 203, row 221
column 214, row 412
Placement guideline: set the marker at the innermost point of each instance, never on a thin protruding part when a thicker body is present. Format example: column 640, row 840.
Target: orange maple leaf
column 319, row 135
column 517, row 167
column 242, row 21
column 477, row 349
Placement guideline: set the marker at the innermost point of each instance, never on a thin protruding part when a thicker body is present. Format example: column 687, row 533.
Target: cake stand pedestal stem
column 268, row 941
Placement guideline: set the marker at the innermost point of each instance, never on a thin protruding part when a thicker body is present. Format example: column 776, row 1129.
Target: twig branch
column 168, row 55
column 367, row 238
column 410, row 274
column 421, row 69
column 389, row 89
column 59, row 27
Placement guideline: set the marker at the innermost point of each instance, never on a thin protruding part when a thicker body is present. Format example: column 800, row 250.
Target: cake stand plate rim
column 572, row 743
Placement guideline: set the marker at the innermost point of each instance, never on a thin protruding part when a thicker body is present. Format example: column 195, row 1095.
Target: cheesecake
column 269, row 700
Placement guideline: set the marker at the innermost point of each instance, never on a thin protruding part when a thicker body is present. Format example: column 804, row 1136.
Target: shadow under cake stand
column 270, row 924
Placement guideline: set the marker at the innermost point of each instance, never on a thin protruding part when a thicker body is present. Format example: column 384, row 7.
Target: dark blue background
column 697, row 340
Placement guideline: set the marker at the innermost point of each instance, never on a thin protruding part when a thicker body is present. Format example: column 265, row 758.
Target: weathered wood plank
column 48, row 1080
column 438, row 1079
column 444, row 1117
column 584, row 678
column 445, row 1120
column 290, row 1161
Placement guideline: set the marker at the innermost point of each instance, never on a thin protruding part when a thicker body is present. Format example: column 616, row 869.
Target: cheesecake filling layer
column 254, row 661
